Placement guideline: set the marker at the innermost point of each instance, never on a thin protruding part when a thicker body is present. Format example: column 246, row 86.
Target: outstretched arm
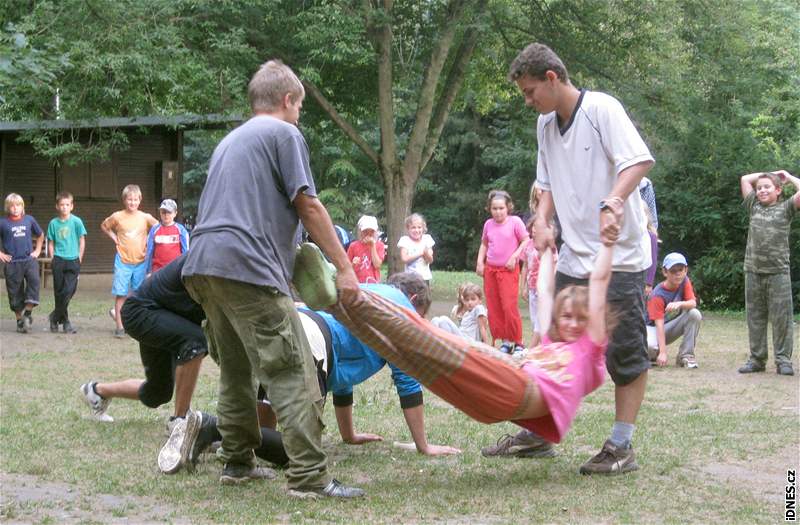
column 545, row 286
column 747, row 181
column 415, row 419
column 598, row 288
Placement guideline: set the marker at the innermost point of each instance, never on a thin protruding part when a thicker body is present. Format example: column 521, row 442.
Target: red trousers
column 501, row 287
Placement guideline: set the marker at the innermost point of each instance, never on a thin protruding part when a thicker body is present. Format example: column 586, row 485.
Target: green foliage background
column 713, row 87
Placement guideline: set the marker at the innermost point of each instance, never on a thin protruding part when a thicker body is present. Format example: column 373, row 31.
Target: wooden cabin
column 153, row 160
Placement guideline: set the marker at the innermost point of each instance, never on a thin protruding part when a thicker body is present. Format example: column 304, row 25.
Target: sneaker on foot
column 611, row 460
column 119, row 333
column 21, row 328
column 206, row 436
column 53, row 324
column 751, row 367
column 507, row 348
column 785, row 369
column 522, row 445
column 314, row 277
column 688, row 362
column 334, row 489
column 175, row 451
column 68, row 328
column 97, row 404
column 112, row 313
column 236, row 474
column 27, row 318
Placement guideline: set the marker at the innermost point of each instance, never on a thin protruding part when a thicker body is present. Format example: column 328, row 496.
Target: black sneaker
column 53, row 324
column 507, row 348
column 68, row 328
column 611, row 460
column 751, row 367
column 522, row 445
column 21, row 328
column 236, row 474
column 334, row 489
column 785, row 369
column 205, row 437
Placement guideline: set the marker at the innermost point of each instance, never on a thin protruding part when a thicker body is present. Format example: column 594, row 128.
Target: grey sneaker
column 334, row 489
column 611, row 460
column 119, row 333
column 236, row 474
column 688, row 361
column 21, row 328
column 522, row 445
column 785, row 369
column 97, row 404
column 27, row 318
column 68, row 328
column 751, row 367
column 175, row 451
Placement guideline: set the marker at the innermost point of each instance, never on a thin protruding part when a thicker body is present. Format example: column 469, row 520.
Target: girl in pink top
column 539, row 389
column 503, row 240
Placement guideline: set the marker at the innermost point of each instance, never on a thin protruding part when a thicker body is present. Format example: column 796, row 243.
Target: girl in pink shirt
column 503, row 240
column 539, row 389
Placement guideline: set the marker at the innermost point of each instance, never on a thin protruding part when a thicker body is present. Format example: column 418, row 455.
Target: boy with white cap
column 672, row 313
column 368, row 252
column 167, row 240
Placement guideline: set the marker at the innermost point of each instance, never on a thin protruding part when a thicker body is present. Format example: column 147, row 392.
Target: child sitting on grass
column 473, row 323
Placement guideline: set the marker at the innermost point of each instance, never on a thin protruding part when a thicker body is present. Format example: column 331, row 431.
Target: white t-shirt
column 414, row 249
column 469, row 322
column 580, row 168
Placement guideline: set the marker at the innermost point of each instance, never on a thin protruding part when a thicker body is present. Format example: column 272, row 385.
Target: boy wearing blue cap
column 672, row 313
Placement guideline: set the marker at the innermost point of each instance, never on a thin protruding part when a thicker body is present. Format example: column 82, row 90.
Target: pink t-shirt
column 502, row 239
column 565, row 373
column 532, row 262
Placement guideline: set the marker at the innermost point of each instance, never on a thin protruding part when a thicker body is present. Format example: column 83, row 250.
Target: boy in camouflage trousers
column 767, row 284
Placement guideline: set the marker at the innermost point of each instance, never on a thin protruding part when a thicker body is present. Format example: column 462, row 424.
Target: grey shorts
column 626, row 356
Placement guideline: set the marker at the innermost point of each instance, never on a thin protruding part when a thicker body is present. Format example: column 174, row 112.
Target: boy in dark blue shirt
column 17, row 232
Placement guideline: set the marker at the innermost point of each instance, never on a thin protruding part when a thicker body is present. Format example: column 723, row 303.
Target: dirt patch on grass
column 26, row 499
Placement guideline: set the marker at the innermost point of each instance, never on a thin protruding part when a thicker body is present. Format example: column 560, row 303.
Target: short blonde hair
column 270, row 84
column 417, row 217
column 131, row 188
column 14, row 198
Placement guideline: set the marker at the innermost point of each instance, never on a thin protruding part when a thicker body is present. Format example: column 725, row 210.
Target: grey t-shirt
column 247, row 225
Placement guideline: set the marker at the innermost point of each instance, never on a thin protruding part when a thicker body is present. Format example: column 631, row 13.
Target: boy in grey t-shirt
column 239, row 268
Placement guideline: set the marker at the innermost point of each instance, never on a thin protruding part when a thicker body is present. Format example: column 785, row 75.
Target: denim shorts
column 626, row 356
column 127, row 277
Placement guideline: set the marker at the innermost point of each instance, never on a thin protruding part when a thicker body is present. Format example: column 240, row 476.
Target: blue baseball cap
column 672, row 259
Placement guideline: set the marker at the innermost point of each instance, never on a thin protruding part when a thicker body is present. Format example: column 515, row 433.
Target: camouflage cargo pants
column 768, row 298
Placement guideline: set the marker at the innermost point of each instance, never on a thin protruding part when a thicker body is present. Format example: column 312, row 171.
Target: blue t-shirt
column 17, row 236
column 353, row 362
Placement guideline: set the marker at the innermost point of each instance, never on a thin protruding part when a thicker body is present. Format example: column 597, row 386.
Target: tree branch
column 345, row 126
column 455, row 78
column 422, row 120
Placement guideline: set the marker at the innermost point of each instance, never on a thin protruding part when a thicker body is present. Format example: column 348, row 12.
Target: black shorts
column 166, row 340
column 626, row 355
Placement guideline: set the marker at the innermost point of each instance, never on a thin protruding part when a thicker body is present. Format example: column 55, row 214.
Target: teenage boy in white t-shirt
column 590, row 160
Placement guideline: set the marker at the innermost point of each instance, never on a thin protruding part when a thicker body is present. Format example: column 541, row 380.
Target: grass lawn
column 712, row 445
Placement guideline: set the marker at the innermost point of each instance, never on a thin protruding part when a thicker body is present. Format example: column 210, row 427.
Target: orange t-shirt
column 131, row 230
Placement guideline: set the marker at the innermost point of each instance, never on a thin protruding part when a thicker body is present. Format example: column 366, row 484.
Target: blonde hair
column 465, row 290
column 414, row 217
column 131, row 189
column 579, row 300
column 14, row 198
column 270, row 84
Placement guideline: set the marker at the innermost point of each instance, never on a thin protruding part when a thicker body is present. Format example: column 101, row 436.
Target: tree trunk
column 398, row 196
